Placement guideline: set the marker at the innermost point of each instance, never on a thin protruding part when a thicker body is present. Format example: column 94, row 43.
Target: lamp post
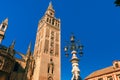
column 75, row 48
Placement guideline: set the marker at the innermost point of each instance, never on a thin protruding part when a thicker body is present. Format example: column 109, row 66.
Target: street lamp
column 76, row 48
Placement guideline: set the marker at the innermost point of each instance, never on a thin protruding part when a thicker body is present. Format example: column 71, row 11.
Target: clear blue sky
column 95, row 22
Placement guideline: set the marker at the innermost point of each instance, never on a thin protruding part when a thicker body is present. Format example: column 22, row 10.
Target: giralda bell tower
column 47, row 47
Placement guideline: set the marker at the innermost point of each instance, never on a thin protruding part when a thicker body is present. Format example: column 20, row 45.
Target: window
column 52, row 21
column 48, row 68
column 109, row 78
column 50, row 78
column 118, row 77
column 51, row 67
column 58, row 25
column 51, row 14
column 116, row 65
column 3, row 27
column 47, row 19
column 100, row 78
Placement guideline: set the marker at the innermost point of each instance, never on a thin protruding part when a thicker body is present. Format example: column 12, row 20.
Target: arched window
column 51, row 67
column 51, row 14
column 50, row 78
column 16, row 67
column 52, row 21
column 116, row 65
column 58, row 25
column 3, row 27
column 48, row 68
column 109, row 78
column 47, row 19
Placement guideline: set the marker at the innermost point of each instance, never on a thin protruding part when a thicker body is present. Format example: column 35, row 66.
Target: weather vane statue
column 75, row 47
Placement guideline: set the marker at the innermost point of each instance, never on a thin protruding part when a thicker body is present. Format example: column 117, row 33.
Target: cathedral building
column 109, row 73
column 44, row 62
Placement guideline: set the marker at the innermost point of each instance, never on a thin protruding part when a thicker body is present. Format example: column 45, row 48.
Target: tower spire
column 50, row 5
column 47, row 44
column 50, row 11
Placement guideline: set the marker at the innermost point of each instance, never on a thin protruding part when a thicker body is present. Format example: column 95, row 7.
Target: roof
column 102, row 72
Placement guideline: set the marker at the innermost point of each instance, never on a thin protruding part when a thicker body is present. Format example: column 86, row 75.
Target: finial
column 50, row 5
column 72, row 37
column 30, row 45
column 29, row 50
column 6, row 21
column 12, row 45
column 59, row 19
column 11, row 48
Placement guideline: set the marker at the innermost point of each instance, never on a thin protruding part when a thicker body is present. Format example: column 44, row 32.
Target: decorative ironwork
column 75, row 47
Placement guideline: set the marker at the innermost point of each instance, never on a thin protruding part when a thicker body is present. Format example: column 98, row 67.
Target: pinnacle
column 50, row 5
column 5, row 21
column 29, row 50
column 13, row 44
column 30, row 45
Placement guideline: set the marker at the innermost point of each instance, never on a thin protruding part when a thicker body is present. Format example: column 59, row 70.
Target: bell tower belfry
column 3, row 27
column 47, row 47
